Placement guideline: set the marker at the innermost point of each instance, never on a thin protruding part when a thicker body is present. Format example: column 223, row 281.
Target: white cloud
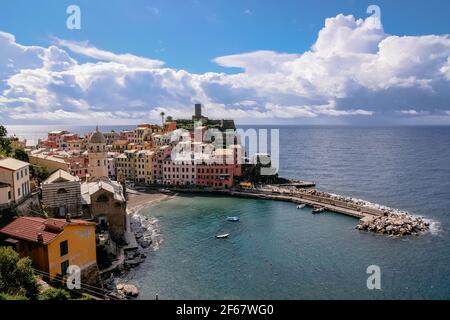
column 354, row 69
column 248, row 12
column 129, row 60
column 415, row 113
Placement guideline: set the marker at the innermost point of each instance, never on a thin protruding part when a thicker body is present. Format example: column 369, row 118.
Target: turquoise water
column 279, row 252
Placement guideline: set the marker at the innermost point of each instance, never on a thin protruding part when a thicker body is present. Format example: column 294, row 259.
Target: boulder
column 127, row 290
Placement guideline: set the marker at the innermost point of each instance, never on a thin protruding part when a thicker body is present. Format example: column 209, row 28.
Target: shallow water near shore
column 279, row 252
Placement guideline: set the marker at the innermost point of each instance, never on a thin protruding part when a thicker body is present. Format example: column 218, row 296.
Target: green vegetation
column 7, row 150
column 5, row 296
column 54, row 294
column 17, row 277
column 39, row 173
column 21, row 155
column 5, row 144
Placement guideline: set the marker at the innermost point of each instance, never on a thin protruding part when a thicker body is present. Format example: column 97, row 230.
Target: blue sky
column 207, row 38
column 188, row 34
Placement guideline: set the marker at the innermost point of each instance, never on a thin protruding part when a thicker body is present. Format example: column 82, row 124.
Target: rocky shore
column 145, row 231
column 395, row 225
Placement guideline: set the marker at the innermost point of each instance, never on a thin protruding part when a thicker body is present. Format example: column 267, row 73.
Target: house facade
column 54, row 244
column 61, row 194
column 16, row 174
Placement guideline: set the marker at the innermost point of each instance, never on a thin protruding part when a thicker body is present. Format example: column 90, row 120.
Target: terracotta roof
column 120, row 142
column 28, row 228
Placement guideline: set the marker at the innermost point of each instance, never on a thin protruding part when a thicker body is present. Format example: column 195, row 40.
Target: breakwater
column 373, row 217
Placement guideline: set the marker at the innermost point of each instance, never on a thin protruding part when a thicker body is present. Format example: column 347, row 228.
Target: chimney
column 198, row 110
column 40, row 238
column 68, row 217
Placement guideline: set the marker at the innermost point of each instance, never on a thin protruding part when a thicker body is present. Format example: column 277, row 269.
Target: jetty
column 298, row 196
column 372, row 217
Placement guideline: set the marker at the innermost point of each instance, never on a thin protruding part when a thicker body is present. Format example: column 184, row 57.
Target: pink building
column 182, row 172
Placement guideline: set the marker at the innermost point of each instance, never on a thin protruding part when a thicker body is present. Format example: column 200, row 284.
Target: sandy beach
column 138, row 200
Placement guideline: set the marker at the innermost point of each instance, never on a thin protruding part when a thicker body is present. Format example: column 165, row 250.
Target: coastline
column 137, row 200
column 145, row 237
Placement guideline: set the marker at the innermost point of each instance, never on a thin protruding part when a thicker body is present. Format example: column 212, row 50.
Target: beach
column 138, row 199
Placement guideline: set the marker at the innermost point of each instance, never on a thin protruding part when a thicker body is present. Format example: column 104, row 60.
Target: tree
column 16, row 274
column 5, row 144
column 39, row 173
column 162, row 114
column 169, row 119
column 54, row 294
column 3, row 132
column 20, row 154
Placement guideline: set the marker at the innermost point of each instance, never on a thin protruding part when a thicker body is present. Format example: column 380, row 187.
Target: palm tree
column 162, row 114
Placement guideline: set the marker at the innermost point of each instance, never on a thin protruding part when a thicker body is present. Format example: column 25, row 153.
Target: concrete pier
column 332, row 205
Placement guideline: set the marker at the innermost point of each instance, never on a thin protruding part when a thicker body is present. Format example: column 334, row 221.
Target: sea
column 276, row 251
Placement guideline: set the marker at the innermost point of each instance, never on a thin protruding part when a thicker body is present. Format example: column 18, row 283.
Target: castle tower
column 98, row 165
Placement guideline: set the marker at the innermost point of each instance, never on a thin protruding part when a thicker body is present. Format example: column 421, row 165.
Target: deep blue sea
column 279, row 252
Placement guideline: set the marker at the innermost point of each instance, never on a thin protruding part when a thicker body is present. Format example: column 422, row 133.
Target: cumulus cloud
column 132, row 61
column 353, row 70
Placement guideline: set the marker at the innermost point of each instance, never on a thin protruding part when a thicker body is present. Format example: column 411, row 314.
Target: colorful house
column 54, row 244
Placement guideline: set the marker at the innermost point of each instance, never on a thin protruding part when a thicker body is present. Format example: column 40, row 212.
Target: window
column 61, row 191
column 102, row 198
column 17, row 175
column 64, row 248
column 64, row 267
column 9, row 195
column 21, row 173
column 18, row 191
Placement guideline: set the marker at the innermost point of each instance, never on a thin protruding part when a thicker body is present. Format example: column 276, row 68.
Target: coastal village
column 71, row 200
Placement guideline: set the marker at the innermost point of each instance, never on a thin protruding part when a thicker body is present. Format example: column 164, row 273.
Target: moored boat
column 301, row 206
column 222, row 236
column 233, row 219
column 317, row 210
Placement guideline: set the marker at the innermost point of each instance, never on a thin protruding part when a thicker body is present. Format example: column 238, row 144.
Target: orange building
column 55, row 244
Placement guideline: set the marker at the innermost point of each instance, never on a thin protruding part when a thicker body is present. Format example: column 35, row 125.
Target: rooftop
column 89, row 188
column 60, row 176
column 28, row 228
column 13, row 164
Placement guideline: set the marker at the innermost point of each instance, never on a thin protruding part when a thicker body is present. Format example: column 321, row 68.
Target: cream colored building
column 98, row 163
column 51, row 162
column 5, row 195
column 16, row 174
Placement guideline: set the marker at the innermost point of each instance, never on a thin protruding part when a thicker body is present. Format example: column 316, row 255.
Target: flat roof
column 13, row 164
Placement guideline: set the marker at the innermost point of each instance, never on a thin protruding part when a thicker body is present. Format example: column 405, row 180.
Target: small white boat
column 222, row 236
column 301, row 206
column 317, row 210
column 233, row 219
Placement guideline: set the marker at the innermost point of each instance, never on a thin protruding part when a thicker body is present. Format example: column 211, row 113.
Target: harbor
column 394, row 221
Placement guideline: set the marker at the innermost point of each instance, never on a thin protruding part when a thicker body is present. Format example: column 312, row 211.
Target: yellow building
column 55, row 244
column 144, row 166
